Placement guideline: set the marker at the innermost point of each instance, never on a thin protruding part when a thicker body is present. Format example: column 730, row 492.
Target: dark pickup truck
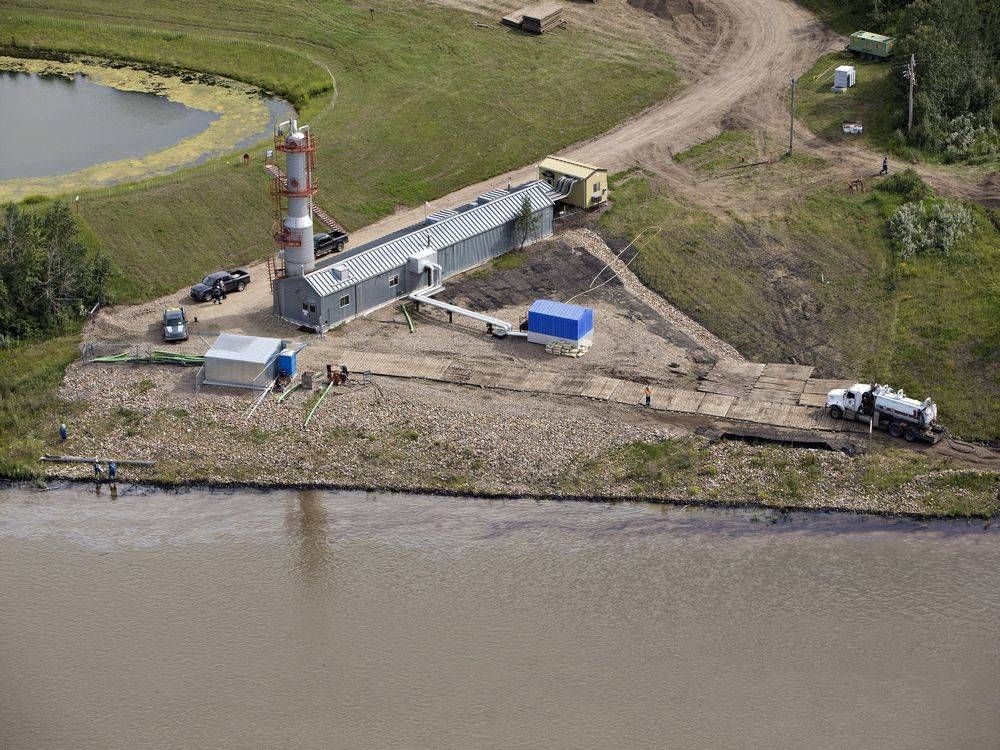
column 232, row 281
column 325, row 243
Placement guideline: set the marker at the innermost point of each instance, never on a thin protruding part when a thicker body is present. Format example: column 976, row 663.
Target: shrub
column 964, row 138
column 907, row 184
column 928, row 227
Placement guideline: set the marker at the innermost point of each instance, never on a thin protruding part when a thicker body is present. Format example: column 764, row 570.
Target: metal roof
column 569, row 167
column 237, row 348
column 559, row 309
column 871, row 36
column 392, row 251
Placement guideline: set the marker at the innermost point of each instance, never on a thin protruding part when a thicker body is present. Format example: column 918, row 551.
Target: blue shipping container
column 287, row 363
column 550, row 318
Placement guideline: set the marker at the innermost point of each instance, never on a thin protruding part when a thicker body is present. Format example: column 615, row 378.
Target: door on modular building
column 310, row 311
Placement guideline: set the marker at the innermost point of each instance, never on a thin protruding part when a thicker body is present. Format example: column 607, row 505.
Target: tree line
column 48, row 276
column 957, row 49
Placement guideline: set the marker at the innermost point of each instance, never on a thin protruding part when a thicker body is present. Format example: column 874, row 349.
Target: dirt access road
column 737, row 58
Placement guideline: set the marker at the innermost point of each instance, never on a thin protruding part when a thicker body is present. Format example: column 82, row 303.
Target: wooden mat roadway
column 741, row 406
column 771, row 383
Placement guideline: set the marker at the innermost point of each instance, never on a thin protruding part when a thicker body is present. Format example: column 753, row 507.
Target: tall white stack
column 300, row 255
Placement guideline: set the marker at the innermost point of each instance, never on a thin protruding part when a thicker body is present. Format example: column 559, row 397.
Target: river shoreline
column 179, row 487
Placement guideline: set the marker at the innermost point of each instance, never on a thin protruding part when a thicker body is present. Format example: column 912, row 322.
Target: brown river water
column 339, row 620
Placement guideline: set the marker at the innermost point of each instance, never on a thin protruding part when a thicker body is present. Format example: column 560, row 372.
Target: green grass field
column 29, row 410
column 875, row 101
column 818, row 284
column 426, row 102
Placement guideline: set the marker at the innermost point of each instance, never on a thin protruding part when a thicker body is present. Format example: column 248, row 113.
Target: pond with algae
column 77, row 125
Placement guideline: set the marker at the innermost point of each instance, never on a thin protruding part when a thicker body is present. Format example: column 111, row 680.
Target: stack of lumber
column 542, row 18
column 567, row 348
column 535, row 19
column 514, row 20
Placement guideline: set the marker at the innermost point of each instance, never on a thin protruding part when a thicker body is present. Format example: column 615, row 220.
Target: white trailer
column 887, row 409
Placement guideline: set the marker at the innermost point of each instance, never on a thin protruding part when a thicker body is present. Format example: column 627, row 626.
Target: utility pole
column 791, row 121
column 911, row 74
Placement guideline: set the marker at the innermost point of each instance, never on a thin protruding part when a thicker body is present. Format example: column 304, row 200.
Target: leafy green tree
column 526, row 222
column 48, row 278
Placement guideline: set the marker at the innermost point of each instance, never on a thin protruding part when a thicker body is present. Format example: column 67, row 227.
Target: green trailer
column 871, row 46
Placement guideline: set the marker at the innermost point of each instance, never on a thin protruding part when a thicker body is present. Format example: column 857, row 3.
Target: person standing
column 648, row 392
column 216, row 295
column 97, row 471
column 112, row 472
column 885, row 165
column 63, row 432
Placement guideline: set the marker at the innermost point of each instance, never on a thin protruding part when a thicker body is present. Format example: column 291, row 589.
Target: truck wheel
column 909, row 434
column 338, row 247
column 895, row 429
column 240, row 287
column 836, row 412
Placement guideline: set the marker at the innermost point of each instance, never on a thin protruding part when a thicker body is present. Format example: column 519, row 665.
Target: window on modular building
column 305, row 307
column 597, row 187
column 312, row 308
column 345, row 300
column 394, row 281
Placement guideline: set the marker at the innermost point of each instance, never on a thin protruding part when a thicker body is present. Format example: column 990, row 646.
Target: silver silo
column 296, row 234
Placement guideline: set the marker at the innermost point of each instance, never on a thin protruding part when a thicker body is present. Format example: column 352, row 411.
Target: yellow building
column 580, row 184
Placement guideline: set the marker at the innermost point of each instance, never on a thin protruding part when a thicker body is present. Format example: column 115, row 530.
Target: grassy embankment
column 426, row 102
column 819, row 283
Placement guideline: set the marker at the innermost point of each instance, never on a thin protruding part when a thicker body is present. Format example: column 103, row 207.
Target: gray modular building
column 241, row 362
column 417, row 258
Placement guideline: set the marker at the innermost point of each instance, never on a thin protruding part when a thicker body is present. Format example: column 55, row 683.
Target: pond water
column 51, row 125
column 318, row 619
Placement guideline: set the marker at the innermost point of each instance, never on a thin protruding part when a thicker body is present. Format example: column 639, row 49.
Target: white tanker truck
column 887, row 409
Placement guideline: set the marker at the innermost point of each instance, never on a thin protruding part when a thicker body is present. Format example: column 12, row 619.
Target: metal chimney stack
column 294, row 235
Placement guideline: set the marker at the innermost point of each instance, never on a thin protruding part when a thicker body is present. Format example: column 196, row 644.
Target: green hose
column 158, row 357
column 294, row 387
column 409, row 321
column 318, row 402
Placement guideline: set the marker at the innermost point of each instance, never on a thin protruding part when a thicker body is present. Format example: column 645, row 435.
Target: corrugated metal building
column 872, row 46
column 418, row 257
column 241, row 361
column 550, row 321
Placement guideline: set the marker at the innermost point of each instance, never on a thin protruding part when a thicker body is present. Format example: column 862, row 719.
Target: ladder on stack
column 322, row 216
column 273, row 272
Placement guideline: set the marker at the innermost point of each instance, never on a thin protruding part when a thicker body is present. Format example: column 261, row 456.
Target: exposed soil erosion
column 560, row 270
column 689, row 18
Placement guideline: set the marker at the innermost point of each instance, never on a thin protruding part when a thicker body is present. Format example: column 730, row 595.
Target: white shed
column 241, row 361
column 843, row 77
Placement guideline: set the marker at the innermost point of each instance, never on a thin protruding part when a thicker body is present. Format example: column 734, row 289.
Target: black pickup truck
column 325, row 243
column 232, row 281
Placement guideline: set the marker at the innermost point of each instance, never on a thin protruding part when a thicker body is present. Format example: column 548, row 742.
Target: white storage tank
column 843, row 77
